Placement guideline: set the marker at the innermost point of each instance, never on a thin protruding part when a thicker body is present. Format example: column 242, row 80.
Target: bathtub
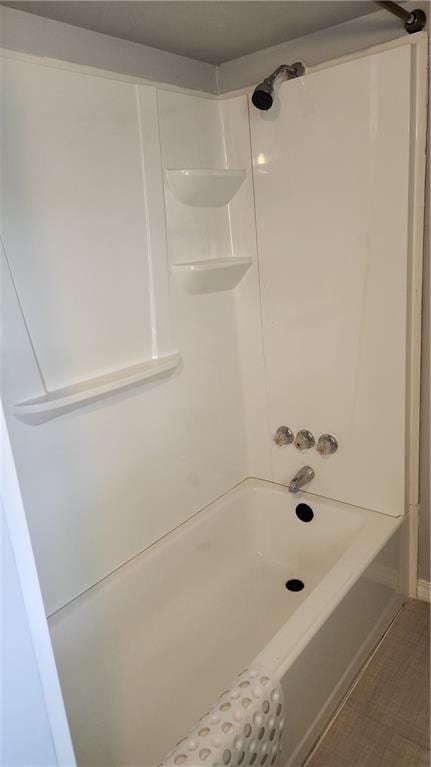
column 143, row 654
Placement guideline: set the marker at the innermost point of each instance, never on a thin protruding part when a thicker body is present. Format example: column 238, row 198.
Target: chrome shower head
column 263, row 94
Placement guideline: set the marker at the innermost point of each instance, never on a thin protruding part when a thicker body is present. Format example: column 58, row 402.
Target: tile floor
column 386, row 720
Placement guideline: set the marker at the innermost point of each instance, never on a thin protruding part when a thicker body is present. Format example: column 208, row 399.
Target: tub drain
column 294, row 585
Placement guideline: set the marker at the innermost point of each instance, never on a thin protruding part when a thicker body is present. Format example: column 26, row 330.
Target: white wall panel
column 102, row 483
column 191, row 137
column 200, row 133
column 331, row 162
column 74, row 219
column 236, row 132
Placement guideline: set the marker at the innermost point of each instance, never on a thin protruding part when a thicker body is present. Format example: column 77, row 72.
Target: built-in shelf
column 64, row 399
column 204, row 188
column 211, row 275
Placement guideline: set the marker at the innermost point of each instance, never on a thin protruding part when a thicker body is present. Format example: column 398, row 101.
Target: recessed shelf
column 52, row 403
column 204, row 188
column 213, row 274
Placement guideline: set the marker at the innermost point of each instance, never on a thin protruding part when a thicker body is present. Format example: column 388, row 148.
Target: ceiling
column 208, row 31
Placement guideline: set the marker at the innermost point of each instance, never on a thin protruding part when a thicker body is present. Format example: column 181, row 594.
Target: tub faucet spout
column 301, row 478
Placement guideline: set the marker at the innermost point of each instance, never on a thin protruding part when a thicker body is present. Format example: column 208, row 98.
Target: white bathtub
column 143, row 654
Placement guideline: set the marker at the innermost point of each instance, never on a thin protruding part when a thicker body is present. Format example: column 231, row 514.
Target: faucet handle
column 304, row 440
column 327, row 444
column 283, row 436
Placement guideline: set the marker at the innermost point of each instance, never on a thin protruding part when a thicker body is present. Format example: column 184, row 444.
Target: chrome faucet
column 301, row 478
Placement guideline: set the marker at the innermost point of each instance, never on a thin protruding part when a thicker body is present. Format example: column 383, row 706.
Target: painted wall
column 26, row 734
column 33, row 724
column 327, row 44
column 425, row 516
column 33, row 34
column 29, row 33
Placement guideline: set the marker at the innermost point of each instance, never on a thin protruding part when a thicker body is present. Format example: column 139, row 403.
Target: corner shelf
column 211, row 275
column 61, row 400
column 204, row 188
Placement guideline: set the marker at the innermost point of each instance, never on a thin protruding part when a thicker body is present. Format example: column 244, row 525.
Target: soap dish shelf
column 211, row 275
column 204, row 188
column 61, row 400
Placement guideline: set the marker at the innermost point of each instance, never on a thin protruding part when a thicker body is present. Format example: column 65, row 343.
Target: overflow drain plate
column 304, row 512
column 294, row 584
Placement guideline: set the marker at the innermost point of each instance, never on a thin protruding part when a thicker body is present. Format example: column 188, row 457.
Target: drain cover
column 294, row 585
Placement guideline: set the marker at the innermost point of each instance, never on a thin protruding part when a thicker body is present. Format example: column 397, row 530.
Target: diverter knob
column 304, row 440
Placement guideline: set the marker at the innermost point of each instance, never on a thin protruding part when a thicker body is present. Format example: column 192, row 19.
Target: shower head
column 263, row 94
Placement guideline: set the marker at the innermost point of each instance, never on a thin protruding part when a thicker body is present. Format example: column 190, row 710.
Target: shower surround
column 214, row 272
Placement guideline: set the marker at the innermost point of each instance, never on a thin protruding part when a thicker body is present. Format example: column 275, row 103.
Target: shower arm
column 414, row 21
column 295, row 70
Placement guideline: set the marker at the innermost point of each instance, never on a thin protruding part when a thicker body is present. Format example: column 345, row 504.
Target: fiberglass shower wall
column 93, row 235
column 91, row 246
column 332, row 173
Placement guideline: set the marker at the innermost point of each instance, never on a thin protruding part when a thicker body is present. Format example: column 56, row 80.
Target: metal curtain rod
column 414, row 21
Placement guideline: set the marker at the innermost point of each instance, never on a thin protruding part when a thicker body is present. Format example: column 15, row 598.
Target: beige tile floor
column 386, row 720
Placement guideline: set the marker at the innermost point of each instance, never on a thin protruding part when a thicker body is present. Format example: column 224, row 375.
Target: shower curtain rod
column 414, row 21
